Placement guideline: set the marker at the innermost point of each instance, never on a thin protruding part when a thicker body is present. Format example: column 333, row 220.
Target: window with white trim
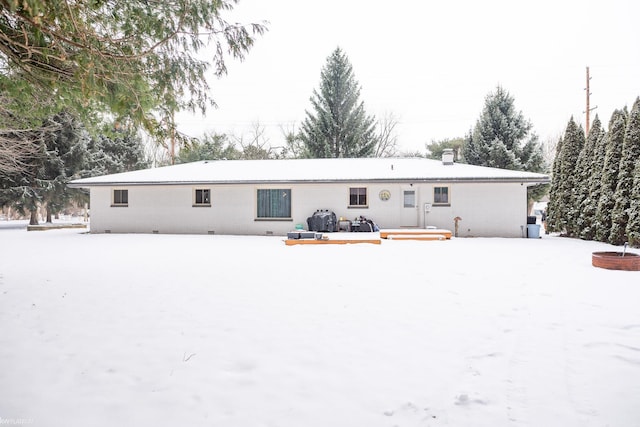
column 409, row 198
column 120, row 197
column 358, row 196
column 441, row 196
column 274, row 203
column 202, row 197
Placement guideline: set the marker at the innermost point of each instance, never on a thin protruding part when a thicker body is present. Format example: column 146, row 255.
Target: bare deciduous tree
column 17, row 150
column 387, row 145
column 257, row 146
column 294, row 146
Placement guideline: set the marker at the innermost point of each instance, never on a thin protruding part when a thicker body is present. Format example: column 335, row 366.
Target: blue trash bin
column 533, row 231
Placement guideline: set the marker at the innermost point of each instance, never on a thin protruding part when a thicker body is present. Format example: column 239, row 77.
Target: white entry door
column 409, row 208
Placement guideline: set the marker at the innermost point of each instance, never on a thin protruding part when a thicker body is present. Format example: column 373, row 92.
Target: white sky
column 432, row 64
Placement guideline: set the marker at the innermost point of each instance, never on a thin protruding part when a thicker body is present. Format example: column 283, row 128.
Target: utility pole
column 588, row 110
column 173, row 137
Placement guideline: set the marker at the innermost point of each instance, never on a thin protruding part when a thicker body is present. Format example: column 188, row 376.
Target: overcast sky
column 431, row 64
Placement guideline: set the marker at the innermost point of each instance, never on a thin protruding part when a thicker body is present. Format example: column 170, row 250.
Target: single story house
column 273, row 197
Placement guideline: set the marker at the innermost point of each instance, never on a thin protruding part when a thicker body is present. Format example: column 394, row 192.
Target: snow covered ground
column 237, row 331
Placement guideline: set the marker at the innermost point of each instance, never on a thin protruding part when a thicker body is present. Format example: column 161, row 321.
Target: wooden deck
column 375, row 238
column 415, row 234
column 54, row 226
column 416, row 237
column 331, row 241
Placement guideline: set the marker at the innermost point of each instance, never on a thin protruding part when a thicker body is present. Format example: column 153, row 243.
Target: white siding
column 487, row 209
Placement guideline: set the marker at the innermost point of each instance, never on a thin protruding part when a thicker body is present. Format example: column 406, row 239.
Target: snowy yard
column 232, row 331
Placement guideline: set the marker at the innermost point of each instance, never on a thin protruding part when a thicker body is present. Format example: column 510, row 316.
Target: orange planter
column 615, row 261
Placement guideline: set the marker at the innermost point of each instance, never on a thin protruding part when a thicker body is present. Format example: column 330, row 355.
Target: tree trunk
column 48, row 215
column 34, row 217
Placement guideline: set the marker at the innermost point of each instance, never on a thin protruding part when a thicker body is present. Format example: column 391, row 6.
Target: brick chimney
column 447, row 156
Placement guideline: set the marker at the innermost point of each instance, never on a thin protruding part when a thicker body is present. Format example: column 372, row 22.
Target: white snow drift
column 236, row 331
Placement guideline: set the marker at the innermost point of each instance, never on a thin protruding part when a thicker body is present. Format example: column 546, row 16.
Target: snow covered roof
column 312, row 170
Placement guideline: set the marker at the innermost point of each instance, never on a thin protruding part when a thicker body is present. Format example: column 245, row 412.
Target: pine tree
column 591, row 176
column 212, row 147
column 624, row 186
column 134, row 59
column 436, row 148
column 610, row 170
column 569, row 209
column 503, row 138
column 339, row 125
column 553, row 207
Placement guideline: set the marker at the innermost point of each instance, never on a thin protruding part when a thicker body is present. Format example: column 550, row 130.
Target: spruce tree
column 66, row 157
column 114, row 152
column 503, row 138
column 62, row 154
column 610, row 170
column 553, row 207
column 338, row 125
column 591, row 176
column 624, row 186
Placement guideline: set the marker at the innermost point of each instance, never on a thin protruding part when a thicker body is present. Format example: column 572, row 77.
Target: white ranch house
column 272, row 197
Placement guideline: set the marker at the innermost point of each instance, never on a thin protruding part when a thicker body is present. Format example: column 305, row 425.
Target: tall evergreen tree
column 590, row 179
column 633, row 226
column 553, row 207
column 114, row 152
column 212, row 147
column 62, row 157
column 569, row 207
column 338, row 125
column 15, row 182
column 503, row 138
column 624, row 187
column 135, row 59
column 610, row 170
